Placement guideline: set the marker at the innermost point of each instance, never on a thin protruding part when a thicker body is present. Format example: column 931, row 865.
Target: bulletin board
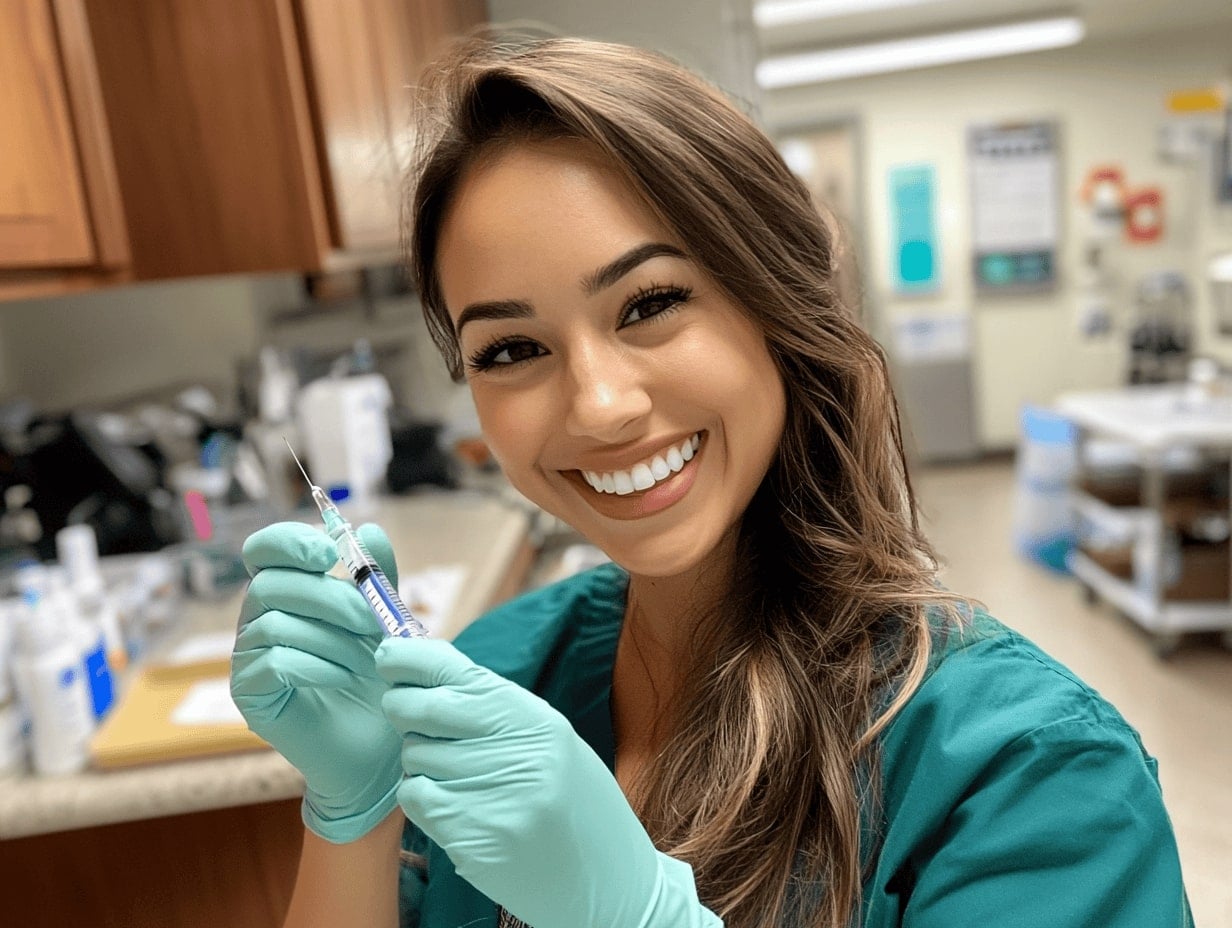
column 1015, row 203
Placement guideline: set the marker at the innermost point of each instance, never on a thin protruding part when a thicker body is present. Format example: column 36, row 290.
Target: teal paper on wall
column 913, row 229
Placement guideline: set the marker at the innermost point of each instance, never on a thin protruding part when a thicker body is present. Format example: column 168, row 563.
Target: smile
column 645, row 474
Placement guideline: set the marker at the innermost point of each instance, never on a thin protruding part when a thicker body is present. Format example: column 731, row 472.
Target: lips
column 645, row 474
column 640, row 503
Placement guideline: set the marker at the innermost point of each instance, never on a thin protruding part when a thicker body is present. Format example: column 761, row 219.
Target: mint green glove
column 302, row 675
column 527, row 812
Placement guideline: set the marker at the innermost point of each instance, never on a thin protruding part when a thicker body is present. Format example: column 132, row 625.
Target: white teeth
column 643, row 479
column 646, row 474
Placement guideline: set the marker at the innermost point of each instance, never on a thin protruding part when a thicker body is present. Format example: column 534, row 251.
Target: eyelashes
column 646, row 306
column 519, row 350
column 665, row 298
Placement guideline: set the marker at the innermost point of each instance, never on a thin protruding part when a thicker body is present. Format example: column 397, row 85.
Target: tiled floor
column 1182, row 706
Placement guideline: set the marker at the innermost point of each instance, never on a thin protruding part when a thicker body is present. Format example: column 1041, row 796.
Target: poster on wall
column 1015, row 204
column 913, row 229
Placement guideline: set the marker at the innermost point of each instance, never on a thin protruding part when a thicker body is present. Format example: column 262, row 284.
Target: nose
column 608, row 394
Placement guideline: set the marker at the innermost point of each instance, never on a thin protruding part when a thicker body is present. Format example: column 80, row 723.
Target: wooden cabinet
column 361, row 74
column 59, row 203
column 263, row 135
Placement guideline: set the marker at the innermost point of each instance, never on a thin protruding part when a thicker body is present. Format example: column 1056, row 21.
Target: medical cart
column 1166, row 587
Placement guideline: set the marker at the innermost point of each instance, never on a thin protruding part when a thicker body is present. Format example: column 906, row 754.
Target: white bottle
column 50, row 676
column 12, row 717
column 77, row 550
column 91, row 642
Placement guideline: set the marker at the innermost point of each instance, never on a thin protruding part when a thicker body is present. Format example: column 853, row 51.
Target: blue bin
column 1045, row 528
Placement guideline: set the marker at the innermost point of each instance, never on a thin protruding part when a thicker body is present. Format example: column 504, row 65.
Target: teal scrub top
column 1013, row 794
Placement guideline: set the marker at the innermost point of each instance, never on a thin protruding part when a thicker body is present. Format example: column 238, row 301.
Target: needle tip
column 296, row 459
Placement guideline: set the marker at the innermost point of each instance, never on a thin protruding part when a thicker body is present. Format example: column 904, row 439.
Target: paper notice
column 207, row 703
column 207, row 646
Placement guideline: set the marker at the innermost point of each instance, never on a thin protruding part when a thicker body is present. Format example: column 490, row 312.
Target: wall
column 1109, row 98
column 713, row 37
column 111, row 344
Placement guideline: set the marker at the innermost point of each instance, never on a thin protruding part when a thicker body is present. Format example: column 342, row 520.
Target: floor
column 1182, row 706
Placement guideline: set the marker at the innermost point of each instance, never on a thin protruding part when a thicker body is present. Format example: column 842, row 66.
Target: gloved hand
column 527, row 812
column 303, row 677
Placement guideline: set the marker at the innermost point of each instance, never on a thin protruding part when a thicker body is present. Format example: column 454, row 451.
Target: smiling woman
column 766, row 711
column 610, row 354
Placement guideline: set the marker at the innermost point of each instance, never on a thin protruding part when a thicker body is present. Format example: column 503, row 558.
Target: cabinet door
column 351, row 53
column 44, row 220
column 212, row 135
column 438, row 21
column 363, row 61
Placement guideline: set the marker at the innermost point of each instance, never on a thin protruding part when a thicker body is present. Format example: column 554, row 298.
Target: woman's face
column 619, row 388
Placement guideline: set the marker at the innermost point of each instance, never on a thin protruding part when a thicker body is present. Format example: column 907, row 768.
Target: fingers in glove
column 289, row 544
column 319, row 596
column 377, row 543
column 424, row 800
column 277, row 669
column 312, row 636
column 438, row 713
column 430, row 662
column 469, row 762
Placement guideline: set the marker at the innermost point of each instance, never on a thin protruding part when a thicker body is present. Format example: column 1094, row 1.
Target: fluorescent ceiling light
column 836, row 64
column 771, row 13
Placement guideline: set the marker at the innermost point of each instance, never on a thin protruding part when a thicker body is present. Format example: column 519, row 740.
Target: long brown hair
column 769, row 782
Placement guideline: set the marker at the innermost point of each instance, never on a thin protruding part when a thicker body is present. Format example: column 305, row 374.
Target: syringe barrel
column 394, row 617
column 396, row 620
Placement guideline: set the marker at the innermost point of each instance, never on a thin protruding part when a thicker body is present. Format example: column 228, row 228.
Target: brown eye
column 505, row 353
column 654, row 302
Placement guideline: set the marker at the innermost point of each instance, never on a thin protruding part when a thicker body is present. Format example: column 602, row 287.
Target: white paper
column 432, row 593
column 1014, row 176
column 924, row 339
column 1016, row 206
column 207, row 702
column 207, row 646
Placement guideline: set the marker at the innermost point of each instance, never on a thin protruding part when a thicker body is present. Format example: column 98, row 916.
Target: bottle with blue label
column 51, row 678
column 91, row 641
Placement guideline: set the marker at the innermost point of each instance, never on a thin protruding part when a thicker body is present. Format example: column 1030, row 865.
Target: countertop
column 480, row 532
column 1154, row 417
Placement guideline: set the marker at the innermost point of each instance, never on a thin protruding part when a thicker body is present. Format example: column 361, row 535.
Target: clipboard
column 172, row 713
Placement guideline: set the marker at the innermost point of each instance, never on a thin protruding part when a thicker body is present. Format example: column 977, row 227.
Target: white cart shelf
column 1153, row 421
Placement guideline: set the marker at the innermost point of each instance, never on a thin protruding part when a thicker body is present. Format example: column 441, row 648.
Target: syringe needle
column 295, row 457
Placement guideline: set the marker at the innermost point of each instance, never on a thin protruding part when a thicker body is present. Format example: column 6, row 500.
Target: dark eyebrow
column 592, row 284
column 610, row 273
column 493, row 309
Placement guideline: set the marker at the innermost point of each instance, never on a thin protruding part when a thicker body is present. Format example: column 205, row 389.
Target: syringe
column 396, row 620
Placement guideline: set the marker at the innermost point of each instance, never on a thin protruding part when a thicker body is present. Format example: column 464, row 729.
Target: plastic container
column 91, row 642
column 10, row 609
column 1045, row 527
column 12, row 739
column 77, row 550
column 344, row 425
column 52, row 682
